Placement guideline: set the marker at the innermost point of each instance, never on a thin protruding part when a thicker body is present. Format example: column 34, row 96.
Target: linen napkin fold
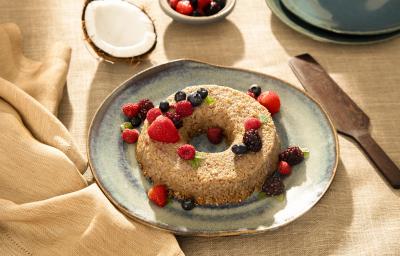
column 46, row 206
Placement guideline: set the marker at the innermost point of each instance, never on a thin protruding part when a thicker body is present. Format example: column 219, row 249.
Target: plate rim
column 172, row 229
column 314, row 22
column 272, row 5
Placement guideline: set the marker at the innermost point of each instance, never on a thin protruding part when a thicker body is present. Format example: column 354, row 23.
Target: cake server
column 347, row 117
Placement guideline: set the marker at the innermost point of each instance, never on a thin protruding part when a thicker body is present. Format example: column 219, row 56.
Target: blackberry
column 203, row 93
column 239, row 149
column 145, row 106
column 194, row 4
column 188, row 204
column 175, row 118
column 164, row 106
column 195, row 99
column 221, row 3
column 179, row 96
column 255, row 89
column 273, row 186
column 292, row 155
column 136, row 121
column 252, row 140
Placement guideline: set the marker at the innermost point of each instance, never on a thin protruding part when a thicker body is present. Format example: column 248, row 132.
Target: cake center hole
column 202, row 144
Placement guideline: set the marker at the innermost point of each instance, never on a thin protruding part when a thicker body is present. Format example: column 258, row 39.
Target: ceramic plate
column 301, row 121
column 321, row 34
column 355, row 17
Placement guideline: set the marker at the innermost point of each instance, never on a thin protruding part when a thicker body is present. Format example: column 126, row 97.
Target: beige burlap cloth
column 46, row 207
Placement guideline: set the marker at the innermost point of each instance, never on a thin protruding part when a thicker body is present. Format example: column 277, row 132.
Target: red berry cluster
column 269, row 99
column 289, row 157
column 197, row 7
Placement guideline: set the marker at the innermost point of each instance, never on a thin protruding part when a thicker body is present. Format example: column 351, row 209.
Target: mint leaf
column 263, row 118
column 261, row 195
column 126, row 125
column 306, row 152
column 209, row 100
column 280, row 198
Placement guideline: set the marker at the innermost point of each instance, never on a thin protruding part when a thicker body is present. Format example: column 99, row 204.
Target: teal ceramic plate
column 354, row 17
column 301, row 121
column 321, row 34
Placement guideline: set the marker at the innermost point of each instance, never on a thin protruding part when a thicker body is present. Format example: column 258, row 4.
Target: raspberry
column 284, row 168
column 252, row 123
column 251, row 94
column 292, row 155
column 152, row 114
column 130, row 136
column 215, row 135
column 186, row 152
column 145, row 106
column 271, row 101
column 273, row 186
column 252, row 140
column 163, row 130
column 201, row 4
column 159, row 195
column 130, row 109
column 184, row 7
column 184, row 108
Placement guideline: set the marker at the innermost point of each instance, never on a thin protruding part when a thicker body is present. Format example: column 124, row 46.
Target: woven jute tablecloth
column 360, row 213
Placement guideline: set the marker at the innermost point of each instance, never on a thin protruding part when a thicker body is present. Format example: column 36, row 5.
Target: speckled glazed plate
column 323, row 35
column 354, row 17
column 301, row 121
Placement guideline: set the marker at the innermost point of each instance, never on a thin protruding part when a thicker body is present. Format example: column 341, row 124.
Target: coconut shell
column 105, row 56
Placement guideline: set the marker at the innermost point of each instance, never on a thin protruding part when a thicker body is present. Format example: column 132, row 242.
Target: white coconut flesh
column 119, row 28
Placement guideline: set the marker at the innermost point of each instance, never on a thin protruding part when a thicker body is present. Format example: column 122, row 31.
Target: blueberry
column 196, row 13
column 136, row 121
column 255, row 89
column 239, row 149
column 203, row 93
column 195, row 99
column 212, row 8
column 188, row 204
column 179, row 96
column 164, row 106
column 221, row 3
column 178, row 123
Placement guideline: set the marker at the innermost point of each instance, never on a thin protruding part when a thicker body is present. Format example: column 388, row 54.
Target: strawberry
column 186, row 152
column 251, row 94
column 252, row 123
column 184, row 108
column 130, row 136
column 284, row 168
column 158, row 194
column 215, row 135
column 163, row 130
column 184, row 7
column 270, row 100
column 173, row 3
column 152, row 114
column 130, row 109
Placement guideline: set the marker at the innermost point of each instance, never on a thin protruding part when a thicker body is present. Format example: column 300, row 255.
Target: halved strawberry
column 158, row 194
column 163, row 130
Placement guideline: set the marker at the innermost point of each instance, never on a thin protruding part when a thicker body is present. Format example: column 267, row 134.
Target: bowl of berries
column 197, row 11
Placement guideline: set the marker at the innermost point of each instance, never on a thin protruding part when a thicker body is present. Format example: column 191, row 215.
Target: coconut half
column 118, row 29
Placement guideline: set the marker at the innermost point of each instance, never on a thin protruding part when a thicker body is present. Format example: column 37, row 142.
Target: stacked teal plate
column 343, row 22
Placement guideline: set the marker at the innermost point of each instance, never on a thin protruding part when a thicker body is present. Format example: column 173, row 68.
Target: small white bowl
column 228, row 8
